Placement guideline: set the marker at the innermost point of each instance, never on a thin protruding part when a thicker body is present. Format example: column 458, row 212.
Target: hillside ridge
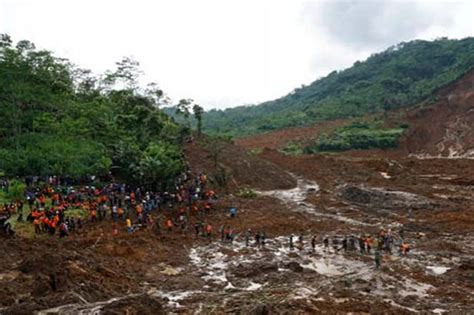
column 401, row 76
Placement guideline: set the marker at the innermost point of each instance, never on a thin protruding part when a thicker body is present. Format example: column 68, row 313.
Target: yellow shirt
column 129, row 223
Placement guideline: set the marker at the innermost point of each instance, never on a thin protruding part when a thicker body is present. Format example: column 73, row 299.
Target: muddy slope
column 442, row 129
column 242, row 169
column 445, row 128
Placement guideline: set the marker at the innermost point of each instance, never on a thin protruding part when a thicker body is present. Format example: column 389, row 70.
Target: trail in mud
column 296, row 200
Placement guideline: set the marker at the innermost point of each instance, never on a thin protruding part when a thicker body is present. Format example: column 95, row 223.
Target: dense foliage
column 357, row 135
column 401, row 76
column 56, row 119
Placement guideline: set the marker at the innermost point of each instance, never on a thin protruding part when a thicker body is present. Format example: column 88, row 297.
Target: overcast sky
column 224, row 53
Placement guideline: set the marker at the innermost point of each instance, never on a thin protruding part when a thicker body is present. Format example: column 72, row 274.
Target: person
column 335, row 244
column 197, row 228
column 115, row 213
column 257, row 239
column 326, row 243
column 222, row 233
column 247, row 237
column 120, row 212
column 233, row 212
column 291, row 241
column 63, row 231
column 128, row 222
column 404, row 248
column 169, row 224
column 209, row 230
column 344, row 244
column 183, row 223
column 36, row 223
column 263, row 237
column 300, row 242
column 231, row 235
column 207, row 208
column 93, row 215
column 352, row 245
column 313, row 243
column 377, row 258
column 361, row 244
column 368, row 243
column 376, row 243
column 79, row 223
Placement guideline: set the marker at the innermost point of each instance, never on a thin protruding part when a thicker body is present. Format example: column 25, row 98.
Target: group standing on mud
column 54, row 211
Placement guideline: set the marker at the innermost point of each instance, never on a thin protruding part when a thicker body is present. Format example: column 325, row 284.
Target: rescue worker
column 248, row 234
column 313, row 243
column 326, row 243
column 404, row 248
column 128, row 222
column 377, row 258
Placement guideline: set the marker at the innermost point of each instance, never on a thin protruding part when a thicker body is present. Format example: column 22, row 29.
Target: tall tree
column 198, row 112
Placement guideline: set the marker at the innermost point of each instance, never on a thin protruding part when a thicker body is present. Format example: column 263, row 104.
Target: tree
column 127, row 74
column 198, row 112
column 184, row 107
column 160, row 163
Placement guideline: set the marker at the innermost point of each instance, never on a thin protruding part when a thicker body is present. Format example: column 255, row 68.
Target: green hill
column 401, row 76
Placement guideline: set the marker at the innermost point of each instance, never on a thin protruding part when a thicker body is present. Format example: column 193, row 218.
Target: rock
column 252, row 270
column 294, row 266
column 74, row 269
column 467, row 265
column 170, row 271
column 9, row 276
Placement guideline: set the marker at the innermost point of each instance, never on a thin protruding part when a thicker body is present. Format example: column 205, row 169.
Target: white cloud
column 227, row 53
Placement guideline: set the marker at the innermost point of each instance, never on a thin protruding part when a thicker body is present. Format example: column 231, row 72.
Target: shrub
column 359, row 136
column 16, row 190
column 247, row 193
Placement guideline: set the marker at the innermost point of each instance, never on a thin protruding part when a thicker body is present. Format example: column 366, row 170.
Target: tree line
column 59, row 119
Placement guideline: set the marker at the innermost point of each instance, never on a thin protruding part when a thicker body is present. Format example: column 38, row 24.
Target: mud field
column 95, row 272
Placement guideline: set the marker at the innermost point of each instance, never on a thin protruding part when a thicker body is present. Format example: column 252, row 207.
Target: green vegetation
column 292, row 148
column 255, row 151
column 57, row 119
column 247, row 193
column 16, row 191
column 358, row 135
column 401, row 76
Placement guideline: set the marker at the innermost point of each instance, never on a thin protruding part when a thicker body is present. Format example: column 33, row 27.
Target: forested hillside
column 401, row 76
column 57, row 119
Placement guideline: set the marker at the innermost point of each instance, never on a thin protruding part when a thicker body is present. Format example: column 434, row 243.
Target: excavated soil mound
column 382, row 198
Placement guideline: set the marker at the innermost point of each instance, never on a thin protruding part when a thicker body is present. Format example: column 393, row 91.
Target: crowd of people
column 60, row 211
column 384, row 242
column 54, row 211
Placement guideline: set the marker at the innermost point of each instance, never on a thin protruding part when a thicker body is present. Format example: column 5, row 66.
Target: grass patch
column 292, row 148
column 255, row 151
column 76, row 213
column 22, row 229
column 247, row 193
